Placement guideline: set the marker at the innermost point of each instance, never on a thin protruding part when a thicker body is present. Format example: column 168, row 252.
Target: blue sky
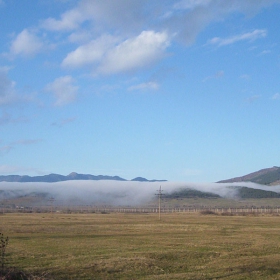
column 185, row 90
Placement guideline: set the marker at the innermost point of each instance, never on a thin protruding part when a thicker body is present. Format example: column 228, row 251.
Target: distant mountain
column 267, row 176
column 141, row 179
column 51, row 178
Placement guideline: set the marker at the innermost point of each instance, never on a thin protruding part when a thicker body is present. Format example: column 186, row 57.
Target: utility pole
column 159, row 194
column 52, row 201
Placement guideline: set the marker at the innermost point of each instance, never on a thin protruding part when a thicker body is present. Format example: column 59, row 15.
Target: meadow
column 140, row 246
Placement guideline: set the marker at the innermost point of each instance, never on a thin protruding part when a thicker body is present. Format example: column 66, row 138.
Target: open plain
column 140, row 246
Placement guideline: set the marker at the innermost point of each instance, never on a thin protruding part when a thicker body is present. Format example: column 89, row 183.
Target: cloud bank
column 125, row 193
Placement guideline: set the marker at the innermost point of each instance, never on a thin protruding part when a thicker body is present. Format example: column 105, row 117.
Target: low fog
column 104, row 192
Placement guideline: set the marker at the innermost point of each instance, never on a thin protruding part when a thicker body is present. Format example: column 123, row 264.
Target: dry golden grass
column 139, row 246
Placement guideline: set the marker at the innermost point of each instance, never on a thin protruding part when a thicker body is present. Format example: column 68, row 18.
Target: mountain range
column 51, row 178
column 268, row 176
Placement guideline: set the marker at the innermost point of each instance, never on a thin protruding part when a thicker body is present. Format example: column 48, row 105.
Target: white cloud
column 186, row 18
column 80, row 36
column 89, row 53
column 189, row 17
column 143, row 86
column 109, row 57
column 63, row 89
column 91, row 19
column 105, row 13
column 7, row 88
column 26, row 44
column 250, row 36
column 135, row 53
column 69, row 20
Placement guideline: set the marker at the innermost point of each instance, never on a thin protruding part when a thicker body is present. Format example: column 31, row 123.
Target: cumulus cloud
column 69, row 20
column 185, row 18
column 26, row 43
column 63, row 89
column 103, row 14
column 89, row 53
column 113, row 57
column 250, row 36
column 135, row 52
column 119, row 50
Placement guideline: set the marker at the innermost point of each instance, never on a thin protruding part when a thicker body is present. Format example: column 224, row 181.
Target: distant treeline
column 245, row 192
column 242, row 193
column 190, row 193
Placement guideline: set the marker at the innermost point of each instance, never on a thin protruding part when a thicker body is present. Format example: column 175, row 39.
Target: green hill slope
column 267, row 176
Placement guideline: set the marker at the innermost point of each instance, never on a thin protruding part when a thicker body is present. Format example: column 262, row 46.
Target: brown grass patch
column 120, row 246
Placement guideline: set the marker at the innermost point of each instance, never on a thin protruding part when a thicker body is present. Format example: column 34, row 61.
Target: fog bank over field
column 115, row 192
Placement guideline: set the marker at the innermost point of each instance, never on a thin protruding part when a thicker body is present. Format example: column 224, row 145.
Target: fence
column 108, row 209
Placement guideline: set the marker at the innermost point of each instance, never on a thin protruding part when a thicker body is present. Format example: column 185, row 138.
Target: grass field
column 139, row 246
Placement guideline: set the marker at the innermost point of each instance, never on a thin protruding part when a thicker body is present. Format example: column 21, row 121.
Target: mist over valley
column 86, row 189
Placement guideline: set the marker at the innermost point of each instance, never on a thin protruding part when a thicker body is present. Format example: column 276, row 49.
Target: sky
column 182, row 90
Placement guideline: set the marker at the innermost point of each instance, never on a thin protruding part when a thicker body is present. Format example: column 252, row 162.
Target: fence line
column 108, row 209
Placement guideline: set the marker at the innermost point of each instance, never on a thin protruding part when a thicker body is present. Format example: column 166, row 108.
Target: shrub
column 207, row 212
column 4, row 241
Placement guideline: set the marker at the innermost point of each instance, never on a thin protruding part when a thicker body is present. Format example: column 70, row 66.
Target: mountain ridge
column 52, row 178
column 267, row 176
